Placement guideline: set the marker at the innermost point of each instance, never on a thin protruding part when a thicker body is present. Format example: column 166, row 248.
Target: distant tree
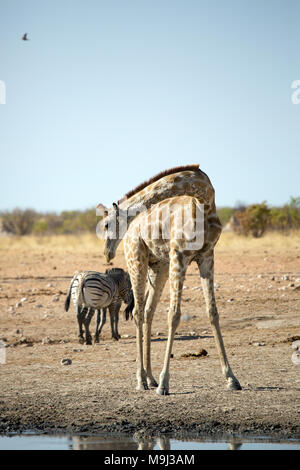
column 254, row 220
column 19, row 222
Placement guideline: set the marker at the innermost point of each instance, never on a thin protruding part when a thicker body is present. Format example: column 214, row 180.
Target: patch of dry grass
column 59, row 243
column 270, row 241
column 89, row 242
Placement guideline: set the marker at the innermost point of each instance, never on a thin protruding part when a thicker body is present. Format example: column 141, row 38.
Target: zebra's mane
column 160, row 175
column 114, row 270
column 117, row 274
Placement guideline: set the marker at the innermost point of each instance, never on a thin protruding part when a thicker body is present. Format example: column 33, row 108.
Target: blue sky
column 108, row 93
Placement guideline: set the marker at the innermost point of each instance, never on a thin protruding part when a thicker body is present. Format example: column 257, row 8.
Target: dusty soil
column 259, row 304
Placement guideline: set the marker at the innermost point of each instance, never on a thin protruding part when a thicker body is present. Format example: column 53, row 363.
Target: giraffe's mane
column 170, row 171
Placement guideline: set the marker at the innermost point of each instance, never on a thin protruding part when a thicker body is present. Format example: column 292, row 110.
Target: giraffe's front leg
column 177, row 271
column 137, row 264
column 157, row 276
column 141, row 373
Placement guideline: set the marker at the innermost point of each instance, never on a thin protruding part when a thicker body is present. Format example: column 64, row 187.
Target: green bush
column 224, row 214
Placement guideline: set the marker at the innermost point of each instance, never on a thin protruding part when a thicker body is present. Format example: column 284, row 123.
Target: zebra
column 92, row 290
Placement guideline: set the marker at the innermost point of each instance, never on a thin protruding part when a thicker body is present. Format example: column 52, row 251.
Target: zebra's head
column 114, row 226
column 123, row 282
column 127, row 290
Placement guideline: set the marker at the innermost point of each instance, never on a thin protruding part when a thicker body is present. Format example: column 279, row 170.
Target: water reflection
column 141, row 440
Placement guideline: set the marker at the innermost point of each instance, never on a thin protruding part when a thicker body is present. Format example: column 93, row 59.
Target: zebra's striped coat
column 92, row 290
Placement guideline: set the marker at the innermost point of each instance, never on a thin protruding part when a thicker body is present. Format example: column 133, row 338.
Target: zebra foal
column 94, row 291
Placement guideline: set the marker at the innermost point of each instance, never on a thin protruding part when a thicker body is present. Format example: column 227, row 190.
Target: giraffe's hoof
column 162, row 391
column 152, row 383
column 142, row 387
column 80, row 340
column 233, row 384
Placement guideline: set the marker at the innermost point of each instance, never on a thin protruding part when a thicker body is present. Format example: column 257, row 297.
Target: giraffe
column 161, row 258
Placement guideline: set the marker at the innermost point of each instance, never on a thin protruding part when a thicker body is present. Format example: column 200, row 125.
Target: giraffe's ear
column 115, row 206
column 101, row 210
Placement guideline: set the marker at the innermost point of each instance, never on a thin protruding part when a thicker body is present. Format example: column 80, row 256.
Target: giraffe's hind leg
column 206, row 268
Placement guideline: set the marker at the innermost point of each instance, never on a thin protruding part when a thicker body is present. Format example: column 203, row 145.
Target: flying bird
column 25, row 37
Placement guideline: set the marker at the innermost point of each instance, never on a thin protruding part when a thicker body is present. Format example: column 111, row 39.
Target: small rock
column 38, row 306
column 19, row 304
column 298, row 279
column 47, row 340
column 185, row 287
column 286, row 277
column 18, row 332
column 258, row 344
column 192, row 333
column 230, row 300
column 260, row 276
column 196, row 287
column 66, row 362
column 291, row 284
column 23, row 299
column 50, row 285
column 186, row 317
column 54, row 267
column 55, row 298
column 272, row 278
column 11, row 309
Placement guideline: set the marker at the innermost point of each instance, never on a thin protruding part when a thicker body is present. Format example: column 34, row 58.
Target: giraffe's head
column 114, row 228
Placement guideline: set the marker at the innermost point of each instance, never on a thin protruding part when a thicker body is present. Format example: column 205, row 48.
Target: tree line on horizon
column 253, row 220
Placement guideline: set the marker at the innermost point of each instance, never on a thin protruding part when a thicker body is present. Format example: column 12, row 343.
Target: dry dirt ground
column 258, row 297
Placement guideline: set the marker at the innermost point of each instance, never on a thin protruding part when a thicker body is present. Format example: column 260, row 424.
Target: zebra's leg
column 113, row 313
column 101, row 319
column 157, row 277
column 80, row 319
column 96, row 339
column 87, row 321
column 118, row 307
